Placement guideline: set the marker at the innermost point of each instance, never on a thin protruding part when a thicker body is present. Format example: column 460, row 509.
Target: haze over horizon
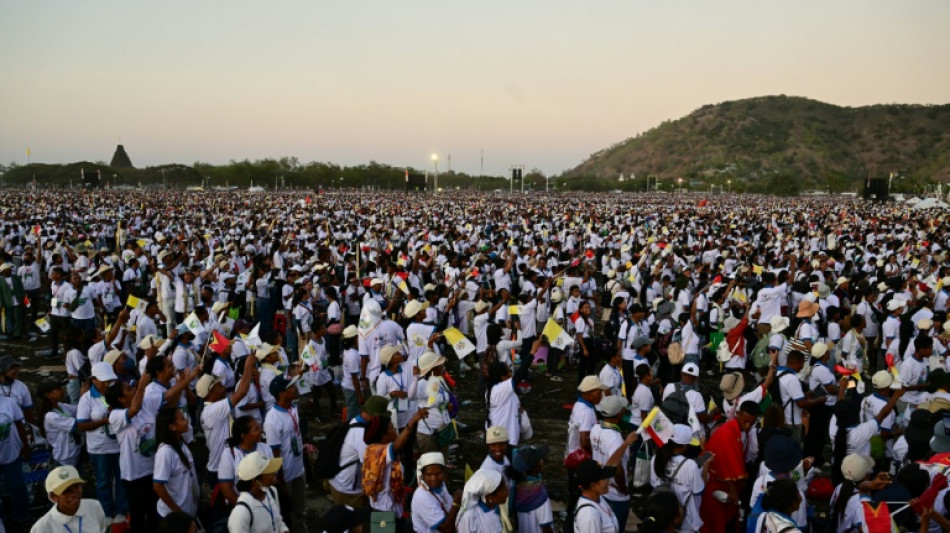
column 539, row 83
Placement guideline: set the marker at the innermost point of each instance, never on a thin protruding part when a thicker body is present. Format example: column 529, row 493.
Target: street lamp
column 435, row 159
column 730, row 185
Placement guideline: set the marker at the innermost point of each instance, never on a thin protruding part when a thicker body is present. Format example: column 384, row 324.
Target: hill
column 760, row 142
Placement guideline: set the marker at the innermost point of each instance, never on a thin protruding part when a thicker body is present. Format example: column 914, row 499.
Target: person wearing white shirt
column 71, row 512
column 92, row 417
column 175, row 479
column 282, row 427
column 913, row 371
column 257, row 509
column 606, row 441
column 59, row 423
column 218, row 412
column 687, row 479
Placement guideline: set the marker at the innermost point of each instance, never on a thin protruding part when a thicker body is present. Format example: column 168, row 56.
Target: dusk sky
column 539, row 83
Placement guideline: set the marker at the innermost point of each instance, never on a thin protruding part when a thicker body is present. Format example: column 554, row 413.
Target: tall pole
column 481, row 169
column 435, row 160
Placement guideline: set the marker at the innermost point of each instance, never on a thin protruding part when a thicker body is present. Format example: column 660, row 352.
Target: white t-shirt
column 10, row 443
column 913, row 372
column 582, row 420
column 642, row 401
column 179, row 479
column 853, row 516
column 479, row 519
column 89, row 515
column 594, row 517
column 351, row 367
column 62, row 434
column 92, row 407
column 505, row 410
column 603, row 442
column 216, row 422
column 257, row 516
column 693, row 396
column 282, row 428
column 137, row 444
column 610, row 377
column 688, row 485
column 859, row 437
column 231, row 457
column 430, row 509
column 791, row 391
column 349, row 479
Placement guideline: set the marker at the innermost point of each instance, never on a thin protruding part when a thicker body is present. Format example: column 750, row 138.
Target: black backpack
column 327, row 464
column 676, row 405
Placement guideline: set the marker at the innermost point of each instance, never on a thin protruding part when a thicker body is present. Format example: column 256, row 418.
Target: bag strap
column 669, row 479
column 249, row 512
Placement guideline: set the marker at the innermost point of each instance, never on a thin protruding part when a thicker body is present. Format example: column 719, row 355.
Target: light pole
column 730, row 186
column 680, row 181
column 435, row 159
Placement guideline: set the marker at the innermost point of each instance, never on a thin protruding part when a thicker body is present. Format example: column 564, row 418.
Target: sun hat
column 807, row 309
column 387, row 352
column 203, row 387
column 496, row 434
column 590, row 383
column 413, row 308
column 255, row 464
column 265, row 350
column 882, row 379
column 349, row 332
column 779, row 324
column 112, row 356
column 61, row 478
column 731, row 385
column 151, row 341
column 924, row 324
column 429, row 360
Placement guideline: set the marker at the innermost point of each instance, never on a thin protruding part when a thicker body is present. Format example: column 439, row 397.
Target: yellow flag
column 28, row 155
column 459, row 342
column 557, row 337
column 756, row 269
column 136, row 303
column 514, row 309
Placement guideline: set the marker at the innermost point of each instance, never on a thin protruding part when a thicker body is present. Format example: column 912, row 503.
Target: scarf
column 530, row 494
column 373, row 473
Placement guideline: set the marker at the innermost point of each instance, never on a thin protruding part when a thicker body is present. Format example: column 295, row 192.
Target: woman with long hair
column 662, row 514
column 175, row 480
column 673, row 469
column 59, row 423
column 846, row 507
column 258, row 507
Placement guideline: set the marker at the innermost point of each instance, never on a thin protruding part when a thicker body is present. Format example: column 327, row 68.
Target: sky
column 539, row 83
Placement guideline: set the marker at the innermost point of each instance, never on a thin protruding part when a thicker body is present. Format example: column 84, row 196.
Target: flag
column 193, row 323
column 253, row 339
column 459, row 342
column 468, row 472
column 756, row 269
column 26, row 302
column 877, row 519
column 36, row 230
column 27, row 151
column 136, row 303
column 42, row 324
column 310, row 360
column 514, row 309
column 557, row 337
column 926, row 500
column 696, row 426
column 219, row 343
column 656, row 426
column 401, row 285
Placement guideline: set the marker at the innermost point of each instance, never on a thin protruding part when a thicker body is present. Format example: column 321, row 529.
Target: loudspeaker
column 876, row 189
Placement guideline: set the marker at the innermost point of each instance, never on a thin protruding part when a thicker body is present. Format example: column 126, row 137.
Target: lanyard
column 78, row 530
column 294, row 420
column 270, row 511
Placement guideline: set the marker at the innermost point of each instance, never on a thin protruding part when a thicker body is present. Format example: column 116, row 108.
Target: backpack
column 676, row 405
column 662, row 343
column 327, row 464
column 752, row 519
column 704, row 328
column 85, row 371
column 667, row 482
column 760, row 353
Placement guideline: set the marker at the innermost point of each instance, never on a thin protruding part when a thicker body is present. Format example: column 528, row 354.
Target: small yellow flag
column 756, row 269
column 514, row 309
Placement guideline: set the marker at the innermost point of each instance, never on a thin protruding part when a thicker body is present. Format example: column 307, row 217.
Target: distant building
column 121, row 159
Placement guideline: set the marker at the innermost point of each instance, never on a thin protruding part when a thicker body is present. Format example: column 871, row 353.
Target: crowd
column 747, row 362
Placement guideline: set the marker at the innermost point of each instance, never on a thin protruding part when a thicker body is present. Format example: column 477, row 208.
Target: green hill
column 760, row 142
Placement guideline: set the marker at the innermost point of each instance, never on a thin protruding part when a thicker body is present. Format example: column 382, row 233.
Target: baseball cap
column 350, row 332
column 103, row 371
column 280, row 384
column 255, row 464
column 151, row 341
column 589, row 472
column 611, row 406
column 61, row 478
column 683, row 435
column 112, row 356
column 691, row 369
column 265, row 350
column 640, row 342
column 590, row 383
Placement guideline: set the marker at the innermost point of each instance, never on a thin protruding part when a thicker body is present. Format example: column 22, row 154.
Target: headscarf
column 370, row 316
column 481, row 484
column 428, row 459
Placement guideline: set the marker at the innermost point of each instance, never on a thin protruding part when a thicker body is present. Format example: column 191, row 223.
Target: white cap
column 349, row 332
column 895, row 304
column 882, row 379
column 818, row 350
column 203, row 387
column 265, row 350
column 856, row 467
column 103, row 371
column 413, row 308
column 150, row 341
column 682, row 434
column 112, row 356
column 61, row 478
column 691, row 369
column 255, row 464
column 611, row 406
